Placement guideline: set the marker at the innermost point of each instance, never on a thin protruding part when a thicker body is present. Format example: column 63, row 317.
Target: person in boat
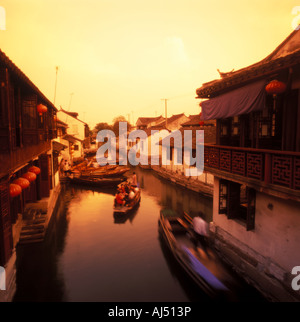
column 134, row 180
column 201, row 232
column 131, row 195
column 119, row 199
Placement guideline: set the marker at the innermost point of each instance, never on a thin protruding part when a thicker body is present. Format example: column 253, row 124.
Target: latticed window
column 29, row 112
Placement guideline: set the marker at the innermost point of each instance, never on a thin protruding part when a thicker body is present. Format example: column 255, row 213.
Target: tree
column 102, row 126
column 116, row 121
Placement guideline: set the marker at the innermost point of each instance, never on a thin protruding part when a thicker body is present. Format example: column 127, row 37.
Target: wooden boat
column 124, row 210
column 205, row 268
column 96, row 182
column 118, row 172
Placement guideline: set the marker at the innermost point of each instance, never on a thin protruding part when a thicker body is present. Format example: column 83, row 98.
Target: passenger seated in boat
column 201, row 232
column 134, row 180
column 119, row 200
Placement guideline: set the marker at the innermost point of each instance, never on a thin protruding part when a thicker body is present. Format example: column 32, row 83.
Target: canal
column 88, row 255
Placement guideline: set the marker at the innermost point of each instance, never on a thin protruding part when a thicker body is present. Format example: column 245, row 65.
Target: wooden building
column 27, row 127
column 256, row 166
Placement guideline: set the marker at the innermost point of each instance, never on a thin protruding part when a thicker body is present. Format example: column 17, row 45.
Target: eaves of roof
column 17, row 73
column 247, row 75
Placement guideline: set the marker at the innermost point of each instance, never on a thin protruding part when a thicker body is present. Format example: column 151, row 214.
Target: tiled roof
column 147, row 120
column 195, row 120
column 272, row 64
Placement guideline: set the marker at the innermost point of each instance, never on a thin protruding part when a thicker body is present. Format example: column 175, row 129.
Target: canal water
column 88, row 255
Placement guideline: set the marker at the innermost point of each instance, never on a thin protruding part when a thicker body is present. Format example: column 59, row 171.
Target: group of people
column 126, row 192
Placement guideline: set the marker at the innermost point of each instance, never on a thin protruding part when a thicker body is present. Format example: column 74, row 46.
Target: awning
column 71, row 138
column 58, row 146
column 237, row 102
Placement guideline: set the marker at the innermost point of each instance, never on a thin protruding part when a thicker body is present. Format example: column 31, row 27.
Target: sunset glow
column 118, row 57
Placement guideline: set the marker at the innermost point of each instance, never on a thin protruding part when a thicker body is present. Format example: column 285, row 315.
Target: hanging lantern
column 22, row 182
column 275, row 88
column 35, row 170
column 41, row 109
column 14, row 190
column 201, row 123
column 30, row 176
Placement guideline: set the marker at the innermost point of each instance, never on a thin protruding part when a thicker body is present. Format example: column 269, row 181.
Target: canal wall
column 46, row 207
column 37, row 216
column 204, row 187
column 265, row 255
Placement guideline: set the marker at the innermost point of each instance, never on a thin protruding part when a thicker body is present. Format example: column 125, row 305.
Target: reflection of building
column 256, row 164
column 27, row 127
column 77, row 133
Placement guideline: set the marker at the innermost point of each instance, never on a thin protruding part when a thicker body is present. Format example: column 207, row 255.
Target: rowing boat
column 201, row 264
column 125, row 209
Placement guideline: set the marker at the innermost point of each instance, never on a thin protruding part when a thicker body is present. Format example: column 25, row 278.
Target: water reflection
column 89, row 255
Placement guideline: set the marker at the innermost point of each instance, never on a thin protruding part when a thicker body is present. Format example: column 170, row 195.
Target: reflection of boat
column 122, row 218
column 123, row 210
column 205, row 268
column 96, row 182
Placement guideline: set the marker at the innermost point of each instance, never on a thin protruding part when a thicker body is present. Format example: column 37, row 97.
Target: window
column 224, row 128
column 237, row 202
column 76, row 147
column 235, row 126
column 29, row 112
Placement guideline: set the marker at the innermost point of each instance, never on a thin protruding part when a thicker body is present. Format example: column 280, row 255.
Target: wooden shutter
column 6, row 243
column 251, row 209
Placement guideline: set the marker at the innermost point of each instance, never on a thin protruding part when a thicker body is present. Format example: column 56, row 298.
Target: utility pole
column 166, row 108
column 55, row 85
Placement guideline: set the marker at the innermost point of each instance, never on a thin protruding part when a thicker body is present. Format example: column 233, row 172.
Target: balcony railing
column 271, row 167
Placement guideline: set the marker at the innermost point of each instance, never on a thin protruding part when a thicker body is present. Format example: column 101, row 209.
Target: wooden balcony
column 268, row 167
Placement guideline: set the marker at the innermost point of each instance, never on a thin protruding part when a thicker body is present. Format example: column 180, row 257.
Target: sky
column 123, row 57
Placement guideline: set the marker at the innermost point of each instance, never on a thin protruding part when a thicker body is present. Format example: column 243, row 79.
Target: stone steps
column 34, row 227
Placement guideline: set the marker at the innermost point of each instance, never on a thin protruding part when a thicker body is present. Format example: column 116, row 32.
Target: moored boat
column 96, row 182
column 106, row 173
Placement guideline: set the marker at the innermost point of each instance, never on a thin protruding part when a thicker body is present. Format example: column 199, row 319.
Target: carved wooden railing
column 269, row 166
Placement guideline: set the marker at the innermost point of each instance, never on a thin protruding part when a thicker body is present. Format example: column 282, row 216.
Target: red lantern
column 201, row 123
column 35, row 170
column 14, row 190
column 30, row 176
column 41, row 109
column 275, row 87
column 22, row 182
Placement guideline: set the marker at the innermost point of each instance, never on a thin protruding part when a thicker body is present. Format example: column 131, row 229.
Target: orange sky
column 121, row 57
